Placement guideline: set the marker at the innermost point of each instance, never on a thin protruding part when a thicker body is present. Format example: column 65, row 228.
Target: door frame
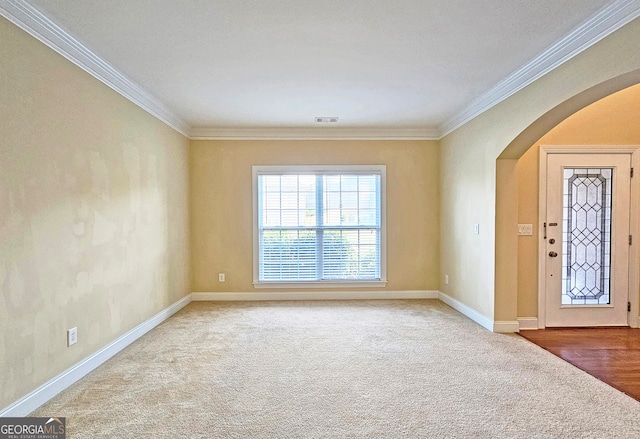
column 634, row 226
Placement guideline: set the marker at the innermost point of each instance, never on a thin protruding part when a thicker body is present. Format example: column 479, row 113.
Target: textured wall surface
column 222, row 212
column 93, row 214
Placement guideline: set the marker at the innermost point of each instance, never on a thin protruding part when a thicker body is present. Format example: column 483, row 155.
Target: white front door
column 587, row 239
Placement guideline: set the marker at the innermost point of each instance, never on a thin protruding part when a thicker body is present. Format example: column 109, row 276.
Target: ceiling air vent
column 326, row 119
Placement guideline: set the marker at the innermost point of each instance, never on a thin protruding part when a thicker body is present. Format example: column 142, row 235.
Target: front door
column 587, row 239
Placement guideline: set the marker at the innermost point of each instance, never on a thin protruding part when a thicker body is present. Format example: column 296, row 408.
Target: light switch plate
column 525, row 229
column 72, row 336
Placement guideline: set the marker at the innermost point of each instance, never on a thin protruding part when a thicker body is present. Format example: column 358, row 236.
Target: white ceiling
column 221, row 66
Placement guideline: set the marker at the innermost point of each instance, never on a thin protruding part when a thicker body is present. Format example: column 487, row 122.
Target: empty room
column 282, row 218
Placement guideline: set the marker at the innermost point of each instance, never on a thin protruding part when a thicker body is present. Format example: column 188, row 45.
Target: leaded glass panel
column 586, row 237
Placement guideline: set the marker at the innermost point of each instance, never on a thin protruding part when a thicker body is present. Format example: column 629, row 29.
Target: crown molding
column 35, row 23
column 603, row 23
column 320, row 133
column 606, row 21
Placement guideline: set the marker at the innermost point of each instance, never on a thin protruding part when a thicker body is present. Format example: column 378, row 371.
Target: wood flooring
column 609, row 354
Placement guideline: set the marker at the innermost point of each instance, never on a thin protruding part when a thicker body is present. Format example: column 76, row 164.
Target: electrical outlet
column 222, row 277
column 72, row 336
column 446, row 279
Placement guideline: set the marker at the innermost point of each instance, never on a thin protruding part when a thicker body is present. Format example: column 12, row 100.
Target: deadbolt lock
column 552, row 241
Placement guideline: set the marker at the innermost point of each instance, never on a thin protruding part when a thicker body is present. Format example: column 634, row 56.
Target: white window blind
column 319, row 225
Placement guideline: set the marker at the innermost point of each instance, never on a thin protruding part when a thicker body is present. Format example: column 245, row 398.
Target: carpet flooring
column 338, row 369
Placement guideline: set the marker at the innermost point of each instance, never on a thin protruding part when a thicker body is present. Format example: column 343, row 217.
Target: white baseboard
column 528, row 323
column 531, row 323
column 506, row 327
column 474, row 315
column 315, row 295
column 51, row 388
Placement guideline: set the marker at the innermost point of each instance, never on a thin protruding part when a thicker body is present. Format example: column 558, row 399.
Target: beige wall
column 221, row 211
column 613, row 120
column 467, row 198
column 93, row 216
column 506, row 249
column 469, row 174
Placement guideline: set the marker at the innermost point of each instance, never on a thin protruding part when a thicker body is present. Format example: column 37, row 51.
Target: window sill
column 323, row 284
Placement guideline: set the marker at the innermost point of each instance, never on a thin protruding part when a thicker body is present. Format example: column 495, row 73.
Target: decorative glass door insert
column 586, row 237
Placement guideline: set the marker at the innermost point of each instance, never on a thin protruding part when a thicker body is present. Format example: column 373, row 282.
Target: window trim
column 301, row 169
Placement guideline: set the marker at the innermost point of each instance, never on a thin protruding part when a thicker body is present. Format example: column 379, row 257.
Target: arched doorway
column 511, row 204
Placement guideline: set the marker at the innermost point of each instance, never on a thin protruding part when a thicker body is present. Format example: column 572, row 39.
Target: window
column 319, row 226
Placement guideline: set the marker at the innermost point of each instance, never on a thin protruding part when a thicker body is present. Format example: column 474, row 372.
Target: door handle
column 553, row 254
